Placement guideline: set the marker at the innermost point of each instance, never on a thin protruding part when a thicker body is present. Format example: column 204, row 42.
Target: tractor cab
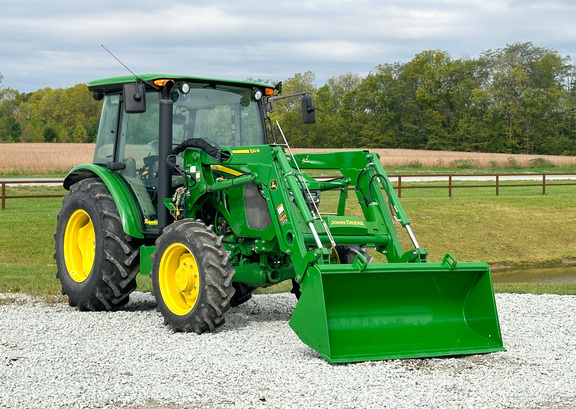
column 128, row 137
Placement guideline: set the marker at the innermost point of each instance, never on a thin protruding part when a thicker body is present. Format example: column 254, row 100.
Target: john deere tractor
column 193, row 184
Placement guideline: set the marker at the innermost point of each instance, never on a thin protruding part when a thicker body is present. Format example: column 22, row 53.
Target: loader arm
column 379, row 202
column 300, row 230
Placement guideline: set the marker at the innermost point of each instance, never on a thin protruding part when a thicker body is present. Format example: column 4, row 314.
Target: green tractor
column 193, row 184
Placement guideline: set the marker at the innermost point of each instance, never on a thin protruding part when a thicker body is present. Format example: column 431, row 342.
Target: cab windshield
column 221, row 115
column 224, row 116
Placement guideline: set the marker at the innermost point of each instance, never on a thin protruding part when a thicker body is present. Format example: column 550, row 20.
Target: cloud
column 57, row 43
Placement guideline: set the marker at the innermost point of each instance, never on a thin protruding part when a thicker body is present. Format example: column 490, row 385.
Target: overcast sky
column 56, row 43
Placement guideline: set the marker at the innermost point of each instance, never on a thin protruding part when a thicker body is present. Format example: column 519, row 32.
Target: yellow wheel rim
column 79, row 245
column 334, row 257
column 178, row 279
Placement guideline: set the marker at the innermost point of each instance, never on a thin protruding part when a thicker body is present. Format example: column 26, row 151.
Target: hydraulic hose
column 200, row 143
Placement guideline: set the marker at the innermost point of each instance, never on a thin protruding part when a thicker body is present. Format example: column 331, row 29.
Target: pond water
column 537, row 275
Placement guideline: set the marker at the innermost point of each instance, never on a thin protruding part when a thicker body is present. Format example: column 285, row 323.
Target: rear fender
column 127, row 210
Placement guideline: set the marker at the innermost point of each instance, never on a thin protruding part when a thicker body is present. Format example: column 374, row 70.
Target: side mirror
column 134, row 98
column 308, row 110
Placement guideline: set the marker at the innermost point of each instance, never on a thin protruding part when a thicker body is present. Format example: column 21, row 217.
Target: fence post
column 399, row 186
column 449, row 185
column 543, row 184
column 497, row 185
column 3, row 195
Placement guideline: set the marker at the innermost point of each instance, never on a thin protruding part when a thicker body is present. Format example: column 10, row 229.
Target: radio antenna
column 117, row 59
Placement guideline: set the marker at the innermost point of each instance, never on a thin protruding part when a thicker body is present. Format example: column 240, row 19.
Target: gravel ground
column 53, row 356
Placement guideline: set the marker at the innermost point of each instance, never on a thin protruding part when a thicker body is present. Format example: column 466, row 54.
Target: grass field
column 518, row 228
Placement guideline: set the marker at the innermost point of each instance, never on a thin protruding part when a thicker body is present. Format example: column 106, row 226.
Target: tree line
column 516, row 99
column 49, row 115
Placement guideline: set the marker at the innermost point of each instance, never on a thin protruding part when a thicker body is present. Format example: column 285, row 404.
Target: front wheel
column 191, row 277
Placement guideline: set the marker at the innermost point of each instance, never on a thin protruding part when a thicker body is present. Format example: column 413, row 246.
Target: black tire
column 346, row 255
column 191, row 277
column 243, row 292
column 89, row 215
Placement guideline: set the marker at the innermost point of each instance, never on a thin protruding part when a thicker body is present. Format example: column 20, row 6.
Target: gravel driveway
column 53, row 356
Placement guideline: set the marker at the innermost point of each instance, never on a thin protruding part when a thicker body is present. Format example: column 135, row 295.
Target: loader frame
column 295, row 229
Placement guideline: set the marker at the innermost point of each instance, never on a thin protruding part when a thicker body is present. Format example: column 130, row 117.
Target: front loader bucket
column 404, row 310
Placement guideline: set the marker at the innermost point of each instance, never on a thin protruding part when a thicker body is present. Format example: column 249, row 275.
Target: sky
column 57, row 43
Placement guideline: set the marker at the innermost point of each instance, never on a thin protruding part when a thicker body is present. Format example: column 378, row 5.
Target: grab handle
column 449, row 261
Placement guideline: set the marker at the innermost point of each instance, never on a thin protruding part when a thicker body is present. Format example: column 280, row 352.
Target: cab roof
column 116, row 83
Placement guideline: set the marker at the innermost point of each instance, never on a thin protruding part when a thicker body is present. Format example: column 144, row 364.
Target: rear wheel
column 191, row 277
column 97, row 263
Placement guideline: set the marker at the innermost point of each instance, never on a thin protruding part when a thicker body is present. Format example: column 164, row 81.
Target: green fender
column 124, row 203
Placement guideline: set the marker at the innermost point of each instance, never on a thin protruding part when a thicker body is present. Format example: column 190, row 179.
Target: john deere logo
column 273, row 184
column 346, row 223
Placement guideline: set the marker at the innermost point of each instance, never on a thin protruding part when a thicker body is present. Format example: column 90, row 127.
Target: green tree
column 10, row 129
column 81, row 109
column 336, row 107
column 526, row 87
column 50, row 134
column 378, row 107
column 62, row 110
column 80, row 135
column 288, row 112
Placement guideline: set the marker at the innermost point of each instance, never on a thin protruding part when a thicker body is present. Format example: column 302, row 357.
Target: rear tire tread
column 117, row 260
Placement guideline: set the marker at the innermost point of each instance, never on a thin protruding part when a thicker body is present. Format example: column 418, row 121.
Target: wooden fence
column 27, row 181
column 494, row 181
